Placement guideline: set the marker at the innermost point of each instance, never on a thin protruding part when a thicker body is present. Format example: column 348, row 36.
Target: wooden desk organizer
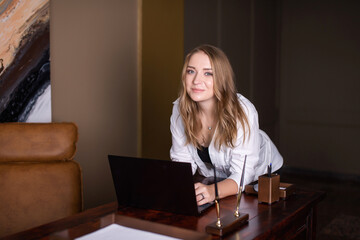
column 269, row 188
column 229, row 224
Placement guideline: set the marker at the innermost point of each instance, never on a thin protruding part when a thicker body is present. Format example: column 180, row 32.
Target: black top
column 204, row 154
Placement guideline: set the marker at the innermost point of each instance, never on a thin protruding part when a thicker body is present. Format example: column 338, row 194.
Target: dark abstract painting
column 25, row 93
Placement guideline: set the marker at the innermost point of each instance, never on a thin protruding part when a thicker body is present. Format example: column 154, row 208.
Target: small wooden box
column 249, row 189
column 269, row 191
column 286, row 189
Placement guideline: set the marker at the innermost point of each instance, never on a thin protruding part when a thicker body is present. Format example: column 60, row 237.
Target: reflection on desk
column 286, row 219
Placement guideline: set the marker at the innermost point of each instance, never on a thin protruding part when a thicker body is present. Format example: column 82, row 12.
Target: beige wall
column 94, row 84
column 320, row 100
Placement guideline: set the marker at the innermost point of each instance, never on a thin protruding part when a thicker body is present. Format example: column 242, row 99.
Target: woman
column 213, row 126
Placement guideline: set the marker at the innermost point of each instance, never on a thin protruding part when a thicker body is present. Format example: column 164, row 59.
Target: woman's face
column 199, row 80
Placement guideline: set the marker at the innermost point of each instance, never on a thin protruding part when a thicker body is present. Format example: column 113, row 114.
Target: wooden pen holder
column 269, row 188
column 229, row 224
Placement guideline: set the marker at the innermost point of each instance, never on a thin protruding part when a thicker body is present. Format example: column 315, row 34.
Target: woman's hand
column 204, row 193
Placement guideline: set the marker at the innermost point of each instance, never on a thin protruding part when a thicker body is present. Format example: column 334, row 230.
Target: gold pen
column 217, row 201
column 237, row 213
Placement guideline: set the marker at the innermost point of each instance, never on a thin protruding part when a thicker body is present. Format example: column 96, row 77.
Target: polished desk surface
column 293, row 218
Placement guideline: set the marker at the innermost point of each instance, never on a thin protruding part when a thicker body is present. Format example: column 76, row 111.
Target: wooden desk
column 294, row 218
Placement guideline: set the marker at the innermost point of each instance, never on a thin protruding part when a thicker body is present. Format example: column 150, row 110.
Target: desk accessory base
column 228, row 224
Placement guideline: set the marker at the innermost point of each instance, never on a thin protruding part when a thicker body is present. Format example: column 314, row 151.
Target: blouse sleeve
column 179, row 151
column 249, row 148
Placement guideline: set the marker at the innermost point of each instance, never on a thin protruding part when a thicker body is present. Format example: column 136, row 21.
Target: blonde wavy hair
column 229, row 111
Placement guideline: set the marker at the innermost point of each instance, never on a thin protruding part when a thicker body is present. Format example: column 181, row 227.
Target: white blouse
column 228, row 162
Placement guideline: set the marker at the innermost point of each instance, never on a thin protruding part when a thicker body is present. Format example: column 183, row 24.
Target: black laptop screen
column 154, row 184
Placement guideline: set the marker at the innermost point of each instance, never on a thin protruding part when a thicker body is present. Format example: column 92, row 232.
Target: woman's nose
column 197, row 79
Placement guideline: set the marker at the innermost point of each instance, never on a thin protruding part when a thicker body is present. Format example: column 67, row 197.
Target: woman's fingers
column 200, row 197
column 198, row 185
column 204, row 193
column 200, row 191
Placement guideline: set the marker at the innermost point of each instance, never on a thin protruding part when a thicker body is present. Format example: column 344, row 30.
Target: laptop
column 155, row 184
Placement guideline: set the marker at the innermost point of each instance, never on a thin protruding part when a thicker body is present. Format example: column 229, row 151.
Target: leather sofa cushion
column 21, row 143
column 36, row 193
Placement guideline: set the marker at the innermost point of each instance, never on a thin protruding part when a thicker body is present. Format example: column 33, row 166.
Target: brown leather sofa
column 39, row 180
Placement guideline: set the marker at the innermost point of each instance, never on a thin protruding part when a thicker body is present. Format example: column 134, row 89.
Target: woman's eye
column 189, row 71
column 208, row 74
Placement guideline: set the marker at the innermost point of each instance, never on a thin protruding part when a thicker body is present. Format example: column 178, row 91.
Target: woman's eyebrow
column 207, row 69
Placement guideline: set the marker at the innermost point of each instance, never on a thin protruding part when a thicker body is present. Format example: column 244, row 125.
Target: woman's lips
column 196, row 90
